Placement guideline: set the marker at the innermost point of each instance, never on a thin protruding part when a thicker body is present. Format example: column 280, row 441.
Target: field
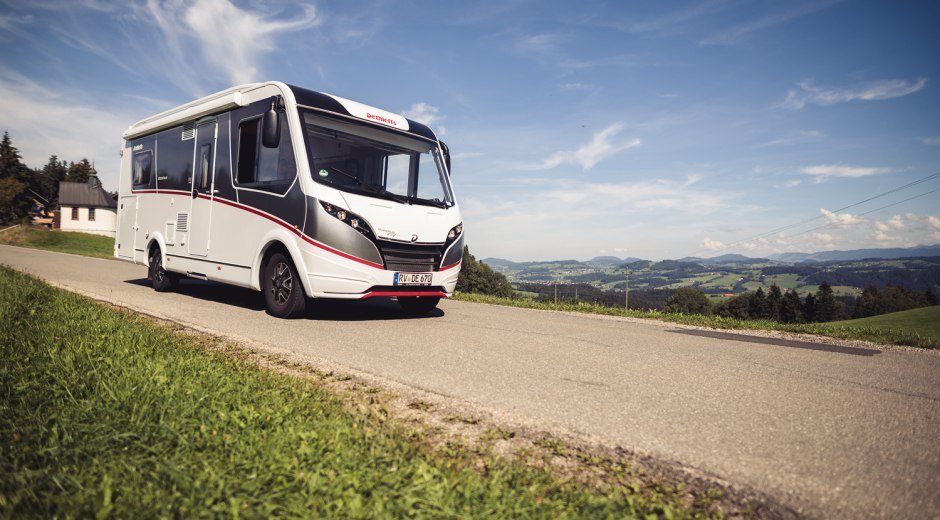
column 61, row 241
column 107, row 414
column 924, row 321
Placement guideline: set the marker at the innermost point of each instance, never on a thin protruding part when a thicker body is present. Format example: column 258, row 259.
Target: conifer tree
column 790, row 308
column 14, row 175
column 757, row 305
column 826, row 307
column 774, row 301
column 809, row 308
column 80, row 171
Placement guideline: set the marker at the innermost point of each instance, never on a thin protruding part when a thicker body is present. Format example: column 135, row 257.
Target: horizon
column 577, row 131
column 656, row 259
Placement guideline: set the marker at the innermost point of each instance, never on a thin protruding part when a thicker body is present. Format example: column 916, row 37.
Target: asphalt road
column 830, row 431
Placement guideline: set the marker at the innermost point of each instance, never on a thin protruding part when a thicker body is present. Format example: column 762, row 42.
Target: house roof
column 81, row 194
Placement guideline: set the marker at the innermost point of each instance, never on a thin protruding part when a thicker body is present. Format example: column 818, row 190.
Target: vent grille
column 410, row 258
column 189, row 131
column 182, row 222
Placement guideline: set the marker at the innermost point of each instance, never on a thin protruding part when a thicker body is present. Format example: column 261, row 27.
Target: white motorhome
column 293, row 193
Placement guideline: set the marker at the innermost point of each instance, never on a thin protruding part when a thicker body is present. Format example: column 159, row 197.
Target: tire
column 283, row 292
column 417, row 305
column 160, row 279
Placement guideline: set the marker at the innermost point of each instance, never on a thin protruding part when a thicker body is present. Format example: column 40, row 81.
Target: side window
column 247, row 151
column 143, row 167
column 260, row 168
column 205, row 156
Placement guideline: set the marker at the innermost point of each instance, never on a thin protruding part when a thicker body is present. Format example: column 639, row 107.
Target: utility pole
column 556, row 293
column 626, row 290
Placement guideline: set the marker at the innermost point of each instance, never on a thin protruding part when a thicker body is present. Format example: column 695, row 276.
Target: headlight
column 454, row 232
column 349, row 218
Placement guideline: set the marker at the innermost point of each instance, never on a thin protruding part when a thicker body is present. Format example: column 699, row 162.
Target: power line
column 817, row 217
column 830, row 224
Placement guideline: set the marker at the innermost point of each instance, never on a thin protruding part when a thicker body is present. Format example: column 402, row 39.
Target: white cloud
column 928, row 221
column 227, row 39
column 809, row 93
column 841, row 219
column 712, row 245
column 43, row 122
column 801, row 136
column 932, row 141
column 793, row 183
column 741, row 32
column 10, row 22
column 822, row 237
column 823, row 171
column 427, row 114
column 588, row 155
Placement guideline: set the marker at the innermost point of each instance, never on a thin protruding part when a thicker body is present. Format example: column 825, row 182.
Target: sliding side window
column 143, row 167
column 260, row 168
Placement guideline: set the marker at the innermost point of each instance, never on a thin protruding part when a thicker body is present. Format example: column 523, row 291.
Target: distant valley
column 848, row 272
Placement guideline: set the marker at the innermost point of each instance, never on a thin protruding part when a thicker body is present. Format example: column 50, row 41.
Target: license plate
column 413, row 278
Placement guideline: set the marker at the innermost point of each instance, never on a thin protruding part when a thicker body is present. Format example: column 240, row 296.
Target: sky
column 652, row 130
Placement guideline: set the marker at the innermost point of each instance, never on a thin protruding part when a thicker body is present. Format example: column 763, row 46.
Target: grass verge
column 924, row 321
column 61, row 241
column 923, row 337
column 105, row 413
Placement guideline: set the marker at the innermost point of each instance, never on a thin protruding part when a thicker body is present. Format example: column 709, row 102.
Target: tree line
column 23, row 189
column 789, row 307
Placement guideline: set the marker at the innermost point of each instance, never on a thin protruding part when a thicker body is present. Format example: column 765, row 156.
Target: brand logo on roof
column 381, row 119
column 368, row 113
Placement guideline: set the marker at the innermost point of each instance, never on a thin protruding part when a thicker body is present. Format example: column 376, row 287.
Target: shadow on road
column 855, row 351
column 319, row 309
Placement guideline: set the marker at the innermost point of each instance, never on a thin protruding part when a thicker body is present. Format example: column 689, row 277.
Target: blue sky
column 656, row 130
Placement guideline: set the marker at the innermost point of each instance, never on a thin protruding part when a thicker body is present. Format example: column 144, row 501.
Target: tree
column 735, row 307
column 80, row 171
column 688, row 300
column 930, row 297
column 866, row 303
column 48, row 179
column 14, row 177
column 827, row 309
column 757, row 305
column 790, row 308
column 774, row 301
column 477, row 277
column 809, row 308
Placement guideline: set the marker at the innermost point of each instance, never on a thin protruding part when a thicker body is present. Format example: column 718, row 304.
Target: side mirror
column 446, row 151
column 270, row 128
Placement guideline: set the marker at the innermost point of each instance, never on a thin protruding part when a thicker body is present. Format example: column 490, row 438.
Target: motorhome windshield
column 374, row 162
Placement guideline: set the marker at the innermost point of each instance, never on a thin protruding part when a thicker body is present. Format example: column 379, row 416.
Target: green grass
column 841, row 330
column 61, row 241
column 104, row 413
column 924, row 321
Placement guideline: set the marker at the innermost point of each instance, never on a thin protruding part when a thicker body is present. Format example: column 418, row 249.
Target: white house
column 86, row 207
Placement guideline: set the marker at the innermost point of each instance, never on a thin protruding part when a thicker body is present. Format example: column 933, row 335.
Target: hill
column 858, row 254
column 924, row 321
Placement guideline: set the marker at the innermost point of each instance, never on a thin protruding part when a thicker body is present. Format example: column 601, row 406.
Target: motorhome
column 294, row 193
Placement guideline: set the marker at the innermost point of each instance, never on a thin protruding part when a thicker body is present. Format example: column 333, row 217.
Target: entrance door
column 200, row 214
column 127, row 225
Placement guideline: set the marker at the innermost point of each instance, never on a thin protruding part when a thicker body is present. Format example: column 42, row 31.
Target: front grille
column 410, row 258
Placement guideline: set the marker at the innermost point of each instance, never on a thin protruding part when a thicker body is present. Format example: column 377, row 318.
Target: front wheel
column 283, row 291
column 418, row 304
column 161, row 280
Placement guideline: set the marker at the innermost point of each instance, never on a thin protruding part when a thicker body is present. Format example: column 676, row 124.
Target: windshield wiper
column 432, row 202
column 378, row 190
column 344, row 174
